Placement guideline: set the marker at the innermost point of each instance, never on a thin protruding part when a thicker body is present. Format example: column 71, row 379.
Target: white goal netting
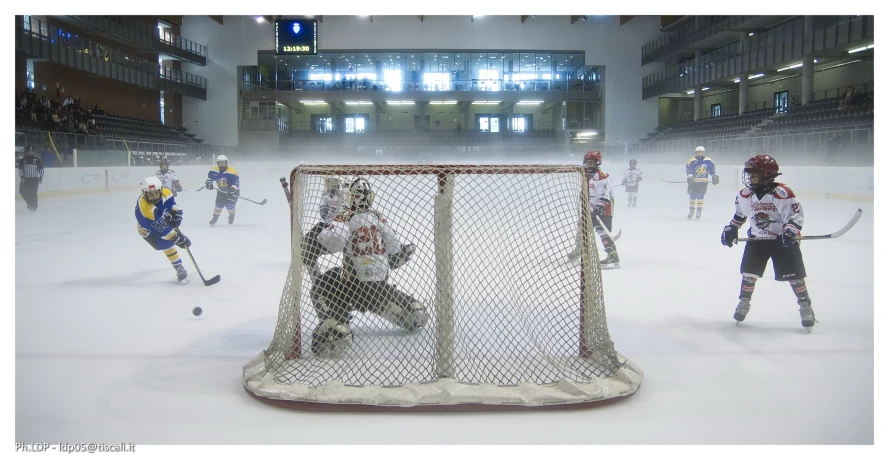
column 512, row 320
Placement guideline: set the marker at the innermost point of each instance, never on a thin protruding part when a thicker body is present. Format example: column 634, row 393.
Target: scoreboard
column 296, row 36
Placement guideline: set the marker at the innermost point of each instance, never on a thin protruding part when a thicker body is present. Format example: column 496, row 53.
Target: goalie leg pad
column 331, row 339
column 329, row 297
column 398, row 308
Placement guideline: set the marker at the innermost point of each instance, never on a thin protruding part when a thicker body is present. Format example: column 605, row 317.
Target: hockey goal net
column 512, row 321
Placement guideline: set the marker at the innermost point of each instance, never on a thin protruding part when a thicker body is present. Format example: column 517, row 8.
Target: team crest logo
column 701, row 170
column 762, row 220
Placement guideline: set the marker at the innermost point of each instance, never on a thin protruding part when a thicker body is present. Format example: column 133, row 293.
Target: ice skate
column 611, row 261
column 231, row 218
column 331, row 340
column 573, row 255
column 741, row 310
column 807, row 315
column 181, row 274
column 214, row 219
column 698, row 214
column 691, row 213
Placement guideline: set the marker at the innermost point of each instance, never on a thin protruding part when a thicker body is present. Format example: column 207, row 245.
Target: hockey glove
column 689, row 178
column 598, row 209
column 715, row 179
column 209, row 184
column 177, row 187
column 182, row 241
column 688, row 190
column 174, row 218
column 786, row 239
column 397, row 260
column 729, row 235
column 233, row 194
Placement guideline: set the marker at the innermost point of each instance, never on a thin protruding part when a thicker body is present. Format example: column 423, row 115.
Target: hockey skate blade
column 610, row 266
column 184, row 281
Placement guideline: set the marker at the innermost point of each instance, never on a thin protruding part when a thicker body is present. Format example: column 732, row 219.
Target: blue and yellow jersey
column 224, row 180
column 700, row 170
column 149, row 216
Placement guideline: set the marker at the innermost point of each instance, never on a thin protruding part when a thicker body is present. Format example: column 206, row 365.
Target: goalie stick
column 829, row 236
column 286, row 192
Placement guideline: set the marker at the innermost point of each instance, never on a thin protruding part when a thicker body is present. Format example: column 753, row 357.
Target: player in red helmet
column 775, row 213
column 601, row 205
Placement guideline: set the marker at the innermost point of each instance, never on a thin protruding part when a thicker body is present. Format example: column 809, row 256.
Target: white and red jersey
column 366, row 239
column 168, row 178
column 632, row 176
column 601, row 191
column 769, row 215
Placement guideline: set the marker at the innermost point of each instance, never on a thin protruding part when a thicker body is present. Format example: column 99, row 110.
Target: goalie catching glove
column 402, row 257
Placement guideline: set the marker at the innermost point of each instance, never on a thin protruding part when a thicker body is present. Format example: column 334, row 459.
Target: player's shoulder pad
column 782, row 191
column 706, row 158
column 600, row 175
column 214, row 169
column 690, row 160
column 146, row 208
column 230, row 170
column 746, row 192
column 166, row 194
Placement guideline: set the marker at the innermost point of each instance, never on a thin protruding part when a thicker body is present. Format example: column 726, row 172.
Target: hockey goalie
column 370, row 250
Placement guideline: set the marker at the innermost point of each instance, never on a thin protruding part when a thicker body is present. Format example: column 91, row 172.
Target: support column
column 808, row 82
column 742, row 93
column 467, row 117
column 696, row 75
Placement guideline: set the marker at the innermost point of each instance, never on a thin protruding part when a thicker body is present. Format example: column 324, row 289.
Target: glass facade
column 422, row 70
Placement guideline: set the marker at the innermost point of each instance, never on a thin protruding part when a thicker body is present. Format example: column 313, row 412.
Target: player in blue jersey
column 158, row 219
column 699, row 169
column 225, row 179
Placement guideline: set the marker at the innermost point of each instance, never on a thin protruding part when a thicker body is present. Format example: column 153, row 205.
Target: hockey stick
column 613, row 237
column 830, row 236
column 187, row 190
column 248, row 199
column 207, row 282
column 286, row 192
column 674, row 181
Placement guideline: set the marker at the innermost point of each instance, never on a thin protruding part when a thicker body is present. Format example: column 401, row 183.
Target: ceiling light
column 856, row 50
column 755, row 76
column 260, row 19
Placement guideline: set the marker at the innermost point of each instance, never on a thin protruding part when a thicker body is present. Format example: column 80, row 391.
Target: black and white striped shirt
column 30, row 167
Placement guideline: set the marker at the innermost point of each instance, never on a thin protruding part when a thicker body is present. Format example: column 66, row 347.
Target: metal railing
column 780, row 45
column 149, row 36
column 854, row 148
column 50, row 42
column 595, row 89
column 689, row 34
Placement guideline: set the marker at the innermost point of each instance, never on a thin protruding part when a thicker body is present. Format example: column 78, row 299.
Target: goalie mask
column 360, row 195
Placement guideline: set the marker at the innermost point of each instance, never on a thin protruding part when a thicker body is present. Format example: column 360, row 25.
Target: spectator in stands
column 48, row 156
column 98, row 110
column 833, row 148
column 847, row 98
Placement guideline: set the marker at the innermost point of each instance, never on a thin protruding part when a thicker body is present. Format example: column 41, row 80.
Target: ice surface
column 107, row 349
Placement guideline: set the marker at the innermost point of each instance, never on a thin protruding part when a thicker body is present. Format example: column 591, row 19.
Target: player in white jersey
column 632, row 177
column 601, row 204
column 775, row 213
column 168, row 176
column 371, row 248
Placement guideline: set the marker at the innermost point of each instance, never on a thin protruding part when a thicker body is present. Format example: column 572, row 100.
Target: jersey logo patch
column 762, row 220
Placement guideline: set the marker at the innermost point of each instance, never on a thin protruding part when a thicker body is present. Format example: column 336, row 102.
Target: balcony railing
column 149, row 36
column 780, row 45
column 50, row 42
column 689, row 34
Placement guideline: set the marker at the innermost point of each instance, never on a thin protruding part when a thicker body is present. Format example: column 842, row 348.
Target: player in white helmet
column 371, row 248
column 698, row 171
column 632, row 177
column 227, row 183
column 158, row 219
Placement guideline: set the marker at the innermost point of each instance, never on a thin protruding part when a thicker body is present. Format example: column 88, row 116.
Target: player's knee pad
column 331, row 339
column 749, row 277
column 409, row 314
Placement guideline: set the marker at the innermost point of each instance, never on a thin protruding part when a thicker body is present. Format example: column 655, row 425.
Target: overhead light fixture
column 260, row 19
column 443, row 102
column 587, row 134
column 690, row 92
column 863, row 48
column 705, row 88
column 794, row 66
column 750, row 34
column 485, row 102
column 755, row 76
column 358, row 103
column 840, row 65
column 529, row 102
column 400, row 102
column 313, row 102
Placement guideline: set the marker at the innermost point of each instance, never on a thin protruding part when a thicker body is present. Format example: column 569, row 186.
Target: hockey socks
column 800, row 290
column 173, row 256
column 748, row 284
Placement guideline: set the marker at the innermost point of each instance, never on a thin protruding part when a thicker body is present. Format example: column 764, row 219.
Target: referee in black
column 31, row 173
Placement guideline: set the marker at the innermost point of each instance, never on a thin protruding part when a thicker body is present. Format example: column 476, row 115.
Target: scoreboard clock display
column 296, row 36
